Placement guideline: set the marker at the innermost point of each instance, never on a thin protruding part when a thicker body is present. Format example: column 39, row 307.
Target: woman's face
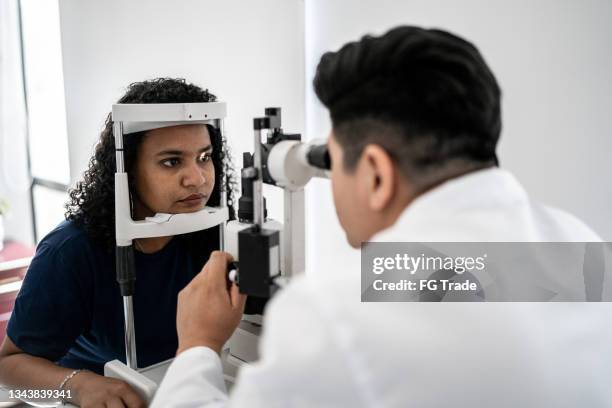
column 174, row 171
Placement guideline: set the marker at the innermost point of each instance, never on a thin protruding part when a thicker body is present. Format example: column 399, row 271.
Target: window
column 46, row 112
column 44, row 83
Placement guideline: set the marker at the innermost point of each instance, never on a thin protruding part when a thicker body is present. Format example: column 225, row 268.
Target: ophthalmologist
column 415, row 123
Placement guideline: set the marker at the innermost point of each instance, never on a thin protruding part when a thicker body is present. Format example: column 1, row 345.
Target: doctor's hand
column 210, row 307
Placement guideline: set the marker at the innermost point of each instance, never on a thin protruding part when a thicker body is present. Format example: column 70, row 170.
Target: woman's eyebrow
column 180, row 152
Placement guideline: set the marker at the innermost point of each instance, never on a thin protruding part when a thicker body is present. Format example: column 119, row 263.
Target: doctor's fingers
column 215, row 270
column 214, row 260
column 238, row 299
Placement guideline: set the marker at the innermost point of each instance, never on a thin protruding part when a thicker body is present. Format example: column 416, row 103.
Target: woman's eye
column 205, row 157
column 170, row 162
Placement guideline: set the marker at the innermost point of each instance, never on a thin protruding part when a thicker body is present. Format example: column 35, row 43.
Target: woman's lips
column 193, row 200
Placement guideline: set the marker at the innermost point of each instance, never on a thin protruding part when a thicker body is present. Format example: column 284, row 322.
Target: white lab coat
column 323, row 347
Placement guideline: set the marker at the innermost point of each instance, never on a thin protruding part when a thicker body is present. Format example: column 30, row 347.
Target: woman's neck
column 151, row 245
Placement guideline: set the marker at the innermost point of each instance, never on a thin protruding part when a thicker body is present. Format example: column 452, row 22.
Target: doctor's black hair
column 92, row 201
column 426, row 96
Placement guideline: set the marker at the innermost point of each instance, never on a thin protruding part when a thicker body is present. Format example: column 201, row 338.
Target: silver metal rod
column 223, row 188
column 294, row 233
column 130, row 337
column 258, row 213
column 118, row 133
column 220, row 125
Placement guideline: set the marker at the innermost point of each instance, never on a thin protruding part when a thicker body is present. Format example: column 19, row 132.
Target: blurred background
column 64, row 63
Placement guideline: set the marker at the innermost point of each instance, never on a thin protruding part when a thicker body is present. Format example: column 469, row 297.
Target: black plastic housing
column 126, row 274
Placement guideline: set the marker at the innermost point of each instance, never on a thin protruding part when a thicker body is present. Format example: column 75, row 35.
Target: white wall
column 550, row 57
column 251, row 55
column 553, row 59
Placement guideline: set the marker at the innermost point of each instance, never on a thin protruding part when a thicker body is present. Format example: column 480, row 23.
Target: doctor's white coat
column 323, row 347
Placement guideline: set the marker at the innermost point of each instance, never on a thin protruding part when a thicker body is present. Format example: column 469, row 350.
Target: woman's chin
column 183, row 208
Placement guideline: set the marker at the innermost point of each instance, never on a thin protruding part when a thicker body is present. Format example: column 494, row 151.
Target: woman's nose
column 194, row 176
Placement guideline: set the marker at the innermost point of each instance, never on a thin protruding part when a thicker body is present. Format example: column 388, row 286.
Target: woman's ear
column 380, row 174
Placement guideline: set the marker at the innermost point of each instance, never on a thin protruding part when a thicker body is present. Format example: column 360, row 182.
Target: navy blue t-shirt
column 70, row 311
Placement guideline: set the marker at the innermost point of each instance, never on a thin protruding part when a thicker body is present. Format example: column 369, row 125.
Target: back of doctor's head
column 426, row 96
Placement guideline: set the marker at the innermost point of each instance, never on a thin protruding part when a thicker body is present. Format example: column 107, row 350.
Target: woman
column 69, row 312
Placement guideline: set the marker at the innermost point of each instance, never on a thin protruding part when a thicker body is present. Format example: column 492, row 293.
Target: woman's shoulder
column 68, row 238
column 65, row 254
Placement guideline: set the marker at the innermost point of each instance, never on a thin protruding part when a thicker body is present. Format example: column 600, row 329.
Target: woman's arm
column 19, row 370
column 50, row 312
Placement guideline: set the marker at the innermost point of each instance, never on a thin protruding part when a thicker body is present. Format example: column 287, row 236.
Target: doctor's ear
column 380, row 176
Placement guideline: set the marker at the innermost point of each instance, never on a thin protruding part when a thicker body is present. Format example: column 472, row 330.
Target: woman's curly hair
column 92, row 201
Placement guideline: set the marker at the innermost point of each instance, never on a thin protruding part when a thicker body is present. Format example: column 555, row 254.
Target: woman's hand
column 93, row 391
